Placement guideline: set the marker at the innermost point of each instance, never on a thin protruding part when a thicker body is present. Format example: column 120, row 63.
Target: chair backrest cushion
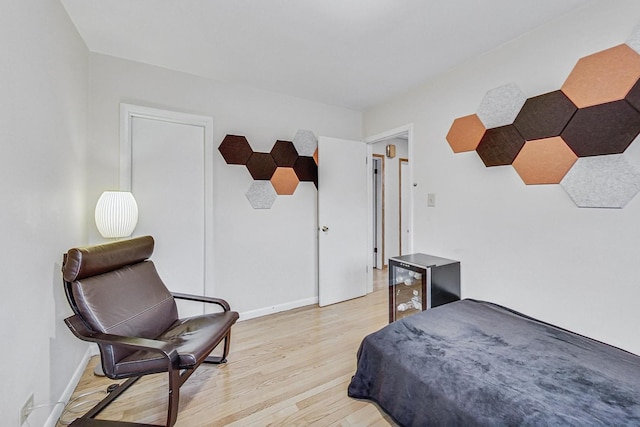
column 92, row 260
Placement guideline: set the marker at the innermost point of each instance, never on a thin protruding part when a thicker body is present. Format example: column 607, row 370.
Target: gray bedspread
column 475, row 363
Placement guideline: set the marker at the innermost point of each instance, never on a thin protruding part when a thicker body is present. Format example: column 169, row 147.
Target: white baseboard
column 68, row 391
column 246, row 315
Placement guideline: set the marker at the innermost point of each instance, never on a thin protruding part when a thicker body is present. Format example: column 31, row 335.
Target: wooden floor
column 286, row 369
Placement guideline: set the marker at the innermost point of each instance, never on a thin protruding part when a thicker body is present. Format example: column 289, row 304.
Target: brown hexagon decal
column 285, row 181
column 306, row 169
column 633, row 97
column 235, row 149
column 465, row 133
column 605, row 76
column 544, row 116
column 602, row 129
column 284, row 153
column 261, row 166
column 544, row 161
column 500, row 146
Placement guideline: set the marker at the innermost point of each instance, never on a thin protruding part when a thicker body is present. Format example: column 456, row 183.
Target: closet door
column 168, row 173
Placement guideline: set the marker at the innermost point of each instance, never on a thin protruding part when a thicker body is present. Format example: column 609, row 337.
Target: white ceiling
column 350, row 53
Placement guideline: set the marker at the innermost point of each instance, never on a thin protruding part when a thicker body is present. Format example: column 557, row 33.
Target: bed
column 473, row 363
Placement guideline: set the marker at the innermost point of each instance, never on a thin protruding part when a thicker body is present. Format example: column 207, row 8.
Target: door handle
column 325, row 228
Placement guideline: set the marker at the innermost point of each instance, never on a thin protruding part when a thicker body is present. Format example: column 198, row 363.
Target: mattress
column 472, row 363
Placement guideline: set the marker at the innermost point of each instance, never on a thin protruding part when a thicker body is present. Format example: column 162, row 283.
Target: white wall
column 265, row 260
column 527, row 247
column 43, row 104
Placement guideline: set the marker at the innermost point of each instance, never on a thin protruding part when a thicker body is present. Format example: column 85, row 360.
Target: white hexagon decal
column 500, row 106
column 602, row 181
column 305, row 142
column 261, row 195
column 634, row 39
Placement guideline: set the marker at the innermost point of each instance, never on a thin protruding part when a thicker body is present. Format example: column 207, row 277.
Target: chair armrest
column 201, row 298
column 80, row 329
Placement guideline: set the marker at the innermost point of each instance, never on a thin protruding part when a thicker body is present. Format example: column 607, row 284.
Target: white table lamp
column 116, row 214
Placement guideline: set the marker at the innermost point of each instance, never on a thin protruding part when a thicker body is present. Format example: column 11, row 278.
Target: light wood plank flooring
column 286, row 369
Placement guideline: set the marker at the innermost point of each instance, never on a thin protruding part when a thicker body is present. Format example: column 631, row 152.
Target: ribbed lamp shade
column 116, row 214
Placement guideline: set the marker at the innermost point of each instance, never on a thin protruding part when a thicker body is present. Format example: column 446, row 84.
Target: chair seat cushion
column 194, row 338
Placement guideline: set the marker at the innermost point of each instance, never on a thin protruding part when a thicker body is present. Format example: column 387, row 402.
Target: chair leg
column 174, row 396
column 225, row 351
column 93, row 412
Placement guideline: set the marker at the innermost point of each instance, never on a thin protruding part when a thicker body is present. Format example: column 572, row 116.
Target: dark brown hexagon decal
column 306, row 169
column 544, row 116
column 602, row 129
column 261, row 166
column 235, row 149
column 284, row 153
column 633, row 97
column 500, row 146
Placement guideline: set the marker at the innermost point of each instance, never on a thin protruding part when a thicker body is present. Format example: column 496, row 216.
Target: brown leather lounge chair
column 121, row 304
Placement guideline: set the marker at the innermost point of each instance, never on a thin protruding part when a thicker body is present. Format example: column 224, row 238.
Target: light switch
column 431, row 200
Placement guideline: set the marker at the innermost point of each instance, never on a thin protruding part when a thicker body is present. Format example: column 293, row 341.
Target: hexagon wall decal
column 235, row 149
column 501, row 105
column 605, row 76
column 261, row 166
column 634, row 39
column 305, row 142
column 261, row 195
column 602, row 129
column 575, row 136
column 284, row 153
column 500, row 146
column 633, row 97
column 285, row 181
column 602, row 182
column 544, row 116
column 544, row 161
column 306, row 169
column 465, row 133
column 284, row 167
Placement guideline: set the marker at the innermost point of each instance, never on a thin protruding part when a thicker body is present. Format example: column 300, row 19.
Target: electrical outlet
column 26, row 409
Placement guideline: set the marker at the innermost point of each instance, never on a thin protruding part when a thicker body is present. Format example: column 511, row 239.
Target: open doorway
column 391, row 195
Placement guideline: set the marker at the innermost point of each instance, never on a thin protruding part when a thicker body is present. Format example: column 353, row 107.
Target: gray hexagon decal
column 634, row 39
column 500, row 106
column 305, row 142
column 261, row 195
column 602, row 182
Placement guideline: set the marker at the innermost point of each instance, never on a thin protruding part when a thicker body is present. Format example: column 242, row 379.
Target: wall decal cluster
column 275, row 173
column 576, row 136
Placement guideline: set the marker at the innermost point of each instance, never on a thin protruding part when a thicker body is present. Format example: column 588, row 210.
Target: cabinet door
column 407, row 290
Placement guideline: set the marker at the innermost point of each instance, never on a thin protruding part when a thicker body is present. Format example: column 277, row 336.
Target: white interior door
column 342, row 218
column 168, row 177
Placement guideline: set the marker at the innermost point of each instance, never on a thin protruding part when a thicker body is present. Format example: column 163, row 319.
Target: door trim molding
column 130, row 111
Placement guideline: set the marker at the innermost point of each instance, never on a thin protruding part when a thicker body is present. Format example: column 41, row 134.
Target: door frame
column 408, row 130
column 130, row 111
